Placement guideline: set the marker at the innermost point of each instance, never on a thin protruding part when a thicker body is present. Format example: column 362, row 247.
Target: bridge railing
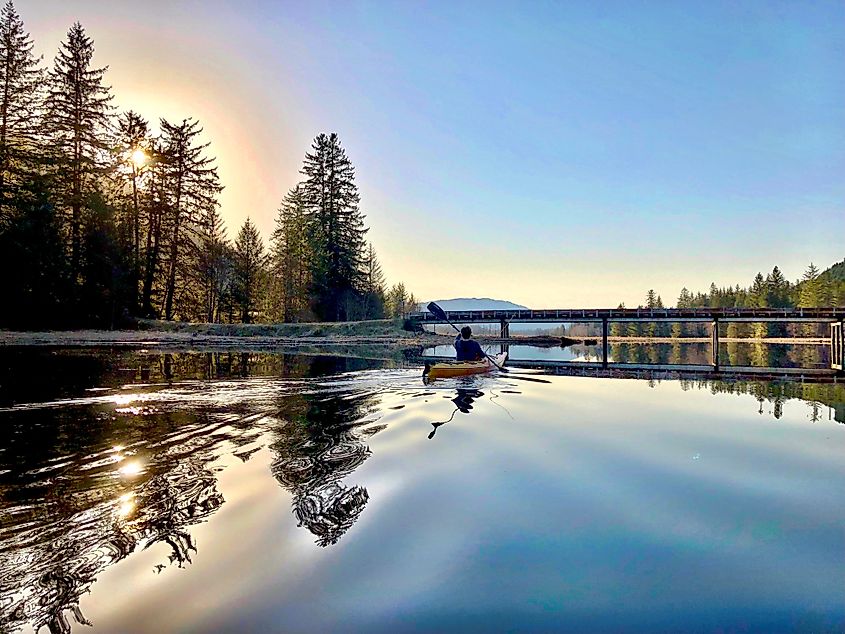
column 640, row 314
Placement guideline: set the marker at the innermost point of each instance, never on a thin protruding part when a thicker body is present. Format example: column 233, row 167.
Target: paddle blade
column 435, row 310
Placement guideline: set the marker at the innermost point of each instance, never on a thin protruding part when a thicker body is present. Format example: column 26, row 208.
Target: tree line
column 814, row 289
column 103, row 218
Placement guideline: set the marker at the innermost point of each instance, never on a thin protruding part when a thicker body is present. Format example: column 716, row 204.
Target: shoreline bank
column 267, row 337
column 178, row 335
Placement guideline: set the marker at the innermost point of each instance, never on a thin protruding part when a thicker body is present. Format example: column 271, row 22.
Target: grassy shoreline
column 381, row 333
column 181, row 335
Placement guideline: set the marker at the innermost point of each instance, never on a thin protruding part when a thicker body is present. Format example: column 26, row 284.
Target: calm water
column 260, row 493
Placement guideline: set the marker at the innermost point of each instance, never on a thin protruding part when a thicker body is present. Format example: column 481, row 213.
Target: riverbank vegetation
column 104, row 218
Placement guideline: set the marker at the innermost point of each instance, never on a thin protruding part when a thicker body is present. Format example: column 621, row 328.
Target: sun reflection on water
column 131, row 469
column 127, row 504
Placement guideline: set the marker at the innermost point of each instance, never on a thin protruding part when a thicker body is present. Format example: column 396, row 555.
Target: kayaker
column 466, row 347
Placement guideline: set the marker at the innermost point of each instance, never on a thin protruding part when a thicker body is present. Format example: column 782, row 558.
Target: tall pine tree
column 192, row 190
column 290, row 257
column 78, row 122
column 248, row 270
column 373, row 290
column 214, row 267
column 20, row 81
column 133, row 146
column 336, row 228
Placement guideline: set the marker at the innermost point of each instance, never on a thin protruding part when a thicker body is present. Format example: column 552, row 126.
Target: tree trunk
column 153, row 237
column 171, row 275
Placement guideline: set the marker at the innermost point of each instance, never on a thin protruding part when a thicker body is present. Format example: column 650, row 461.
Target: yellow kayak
column 445, row 369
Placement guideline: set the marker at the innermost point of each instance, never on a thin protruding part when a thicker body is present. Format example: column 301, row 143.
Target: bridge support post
column 714, row 355
column 837, row 346
column 604, row 342
column 505, row 331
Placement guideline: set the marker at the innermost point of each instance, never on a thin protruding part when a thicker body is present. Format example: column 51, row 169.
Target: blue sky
column 557, row 154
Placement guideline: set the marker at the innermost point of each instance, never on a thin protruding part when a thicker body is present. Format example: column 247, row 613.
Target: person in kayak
column 467, row 348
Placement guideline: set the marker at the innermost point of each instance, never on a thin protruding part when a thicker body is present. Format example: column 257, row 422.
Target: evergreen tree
column 714, row 298
column 32, row 248
column 677, row 330
column 663, row 328
column 812, row 291
column 335, row 227
column 397, row 300
column 778, row 289
column 632, row 329
column 649, row 329
column 759, row 292
column 374, row 293
column 156, row 209
column 106, row 290
column 77, row 121
column 227, row 301
column 20, row 81
column 214, row 267
column 248, row 269
column 617, row 328
column 133, row 157
column 777, row 296
column 290, row 257
column 758, row 295
column 192, row 187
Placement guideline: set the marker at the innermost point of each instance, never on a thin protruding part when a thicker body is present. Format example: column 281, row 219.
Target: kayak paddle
column 438, row 312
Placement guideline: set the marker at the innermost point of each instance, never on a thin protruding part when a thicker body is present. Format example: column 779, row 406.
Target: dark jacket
column 468, row 349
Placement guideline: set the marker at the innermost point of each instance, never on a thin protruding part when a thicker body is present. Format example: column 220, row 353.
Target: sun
column 139, row 158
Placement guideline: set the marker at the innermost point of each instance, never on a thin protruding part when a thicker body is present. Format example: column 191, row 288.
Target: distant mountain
column 475, row 303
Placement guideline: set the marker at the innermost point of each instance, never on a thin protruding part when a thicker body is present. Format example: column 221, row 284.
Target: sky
column 554, row 154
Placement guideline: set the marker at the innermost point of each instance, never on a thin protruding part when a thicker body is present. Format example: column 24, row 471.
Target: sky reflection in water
column 368, row 500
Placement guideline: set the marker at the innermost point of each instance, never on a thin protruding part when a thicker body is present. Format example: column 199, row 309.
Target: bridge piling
column 505, row 330
column 604, row 359
column 837, row 346
column 714, row 354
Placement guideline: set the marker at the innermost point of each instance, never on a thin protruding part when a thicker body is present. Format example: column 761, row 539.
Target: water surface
column 227, row 492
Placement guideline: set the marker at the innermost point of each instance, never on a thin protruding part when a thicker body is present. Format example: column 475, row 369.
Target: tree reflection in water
column 322, row 440
column 777, row 393
column 67, row 508
column 70, row 507
column 46, row 569
column 732, row 353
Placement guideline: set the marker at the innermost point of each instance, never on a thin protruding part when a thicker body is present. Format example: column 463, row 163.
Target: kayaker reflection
column 463, row 403
column 466, row 347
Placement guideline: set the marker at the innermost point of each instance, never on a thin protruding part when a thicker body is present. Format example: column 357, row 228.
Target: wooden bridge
column 835, row 316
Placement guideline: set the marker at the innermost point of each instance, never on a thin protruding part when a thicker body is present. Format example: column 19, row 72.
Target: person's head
column 466, row 332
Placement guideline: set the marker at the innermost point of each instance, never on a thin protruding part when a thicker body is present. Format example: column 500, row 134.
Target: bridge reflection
column 600, row 369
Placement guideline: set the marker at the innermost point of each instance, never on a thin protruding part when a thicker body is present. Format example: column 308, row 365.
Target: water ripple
column 130, row 466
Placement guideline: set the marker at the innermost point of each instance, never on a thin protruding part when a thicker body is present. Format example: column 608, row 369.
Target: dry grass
column 151, row 333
